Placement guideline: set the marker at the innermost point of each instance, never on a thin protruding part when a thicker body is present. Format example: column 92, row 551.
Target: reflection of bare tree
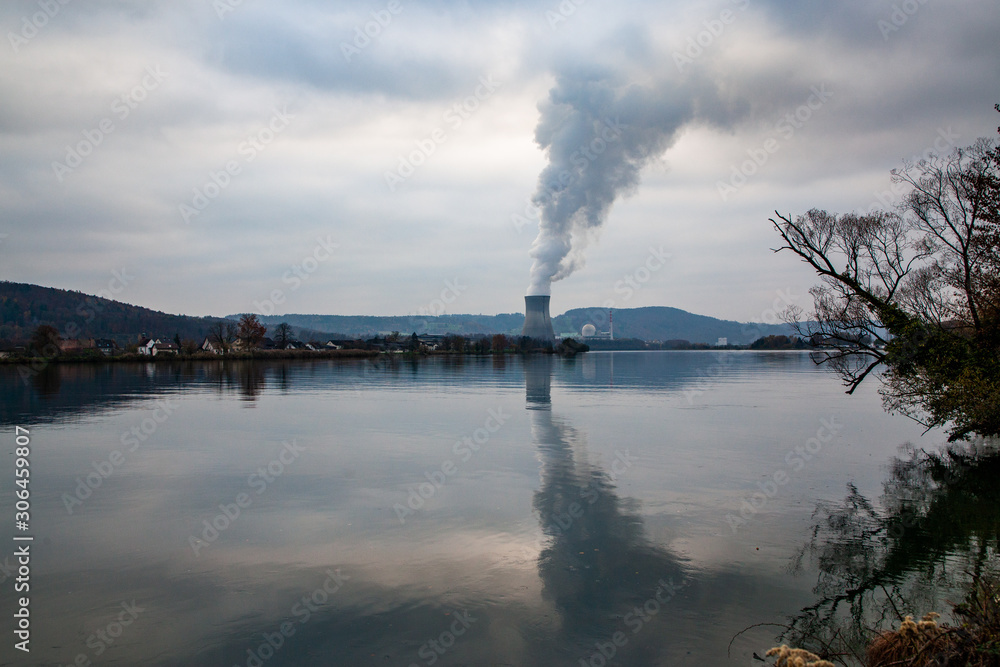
column 938, row 526
column 245, row 376
column 47, row 381
column 597, row 561
column 283, row 380
column 251, row 379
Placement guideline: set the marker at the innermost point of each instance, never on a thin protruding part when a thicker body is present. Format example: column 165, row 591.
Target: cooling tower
column 537, row 323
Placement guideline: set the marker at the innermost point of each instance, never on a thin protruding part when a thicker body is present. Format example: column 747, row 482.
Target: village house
column 106, row 346
column 154, row 346
column 72, row 346
column 165, row 348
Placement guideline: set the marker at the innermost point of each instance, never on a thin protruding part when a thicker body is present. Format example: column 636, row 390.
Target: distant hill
column 24, row 307
column 365, row 326
column 662, row 323
column 652, row 323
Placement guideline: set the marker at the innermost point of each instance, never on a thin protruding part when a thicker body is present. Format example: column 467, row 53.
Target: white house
column 155, row 346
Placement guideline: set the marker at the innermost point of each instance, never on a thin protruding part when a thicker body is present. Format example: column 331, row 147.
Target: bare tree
column 282, row 334
column 223, row 334
column 911, row 289
column 952, row 202
column 862, row 261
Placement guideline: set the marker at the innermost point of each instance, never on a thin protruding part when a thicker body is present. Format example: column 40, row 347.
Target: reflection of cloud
column 210, row 618
column 597, row 561
column 538, row 601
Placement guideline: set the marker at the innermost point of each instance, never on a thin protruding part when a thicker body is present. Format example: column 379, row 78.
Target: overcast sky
column 206, row 148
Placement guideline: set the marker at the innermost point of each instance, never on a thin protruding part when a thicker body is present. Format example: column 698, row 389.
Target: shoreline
column 37, row 363
column 306, row 355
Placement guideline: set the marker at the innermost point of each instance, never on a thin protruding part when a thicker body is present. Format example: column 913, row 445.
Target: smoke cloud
column 599, row 132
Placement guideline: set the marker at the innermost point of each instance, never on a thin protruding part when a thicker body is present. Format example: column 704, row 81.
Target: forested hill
column 24, row 307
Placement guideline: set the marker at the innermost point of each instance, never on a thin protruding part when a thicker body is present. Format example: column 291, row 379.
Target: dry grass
column 796, row 657
column 916, row 644
column 973, row 642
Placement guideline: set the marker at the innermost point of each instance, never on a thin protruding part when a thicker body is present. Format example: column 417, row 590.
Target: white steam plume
column 599, row 133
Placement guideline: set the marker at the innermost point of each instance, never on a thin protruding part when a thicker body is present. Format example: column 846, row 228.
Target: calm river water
column 624, row 508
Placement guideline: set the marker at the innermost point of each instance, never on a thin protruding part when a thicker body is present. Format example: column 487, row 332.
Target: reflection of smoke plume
column 597, row 558
column 599, row 133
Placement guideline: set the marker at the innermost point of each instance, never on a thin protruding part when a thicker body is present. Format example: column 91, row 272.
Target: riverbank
column 564, row 348
column 38, row 363
column 131, row 357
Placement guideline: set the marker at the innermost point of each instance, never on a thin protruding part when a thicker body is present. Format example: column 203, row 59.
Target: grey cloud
column 400, row 62
column 890, row 96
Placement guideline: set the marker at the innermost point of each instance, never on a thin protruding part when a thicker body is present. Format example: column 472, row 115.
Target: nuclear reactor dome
column 589, row 330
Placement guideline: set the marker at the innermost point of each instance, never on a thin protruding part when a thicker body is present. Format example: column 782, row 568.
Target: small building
column 155, row 346
column 722, row 342
column 164, row 348
column 432, row 341
column 208, row 345
column 106, row 346
column 72, row 346
column 8, row 350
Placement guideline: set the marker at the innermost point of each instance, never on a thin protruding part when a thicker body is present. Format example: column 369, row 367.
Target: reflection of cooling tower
column 536, row 318
column 538, row 381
